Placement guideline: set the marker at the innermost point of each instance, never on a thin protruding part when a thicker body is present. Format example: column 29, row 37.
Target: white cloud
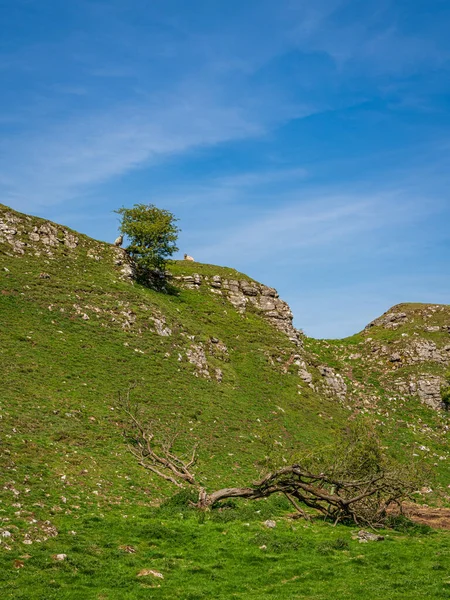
column 50, row 166
column 312, row 220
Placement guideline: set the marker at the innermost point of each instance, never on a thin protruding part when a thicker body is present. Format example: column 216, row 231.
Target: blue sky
column 304, row 143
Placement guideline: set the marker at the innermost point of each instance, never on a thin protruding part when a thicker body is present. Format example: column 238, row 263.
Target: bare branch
column 354, row 486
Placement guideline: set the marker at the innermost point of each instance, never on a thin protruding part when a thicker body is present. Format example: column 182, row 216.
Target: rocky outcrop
column 244, row 294
column 334, row 381
column 424, row 351
column 197, row 357
column 390, row 320
column 161, row 326
column 21, row 235
column 26, row 235
column 428, row 389
column 125, row 264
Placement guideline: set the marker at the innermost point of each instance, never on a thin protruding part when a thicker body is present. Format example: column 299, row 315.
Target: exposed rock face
column 161, row 327
column 428, row 389
column 244, row 294
column 390, row 320
column 45, row 239
column 424, row 350
column 122, row 260
column 21, row 235
column 197, row 357
column 334, row 381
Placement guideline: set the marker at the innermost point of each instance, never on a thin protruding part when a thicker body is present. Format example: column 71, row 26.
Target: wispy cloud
column 377, row 40
column 316, row 221
column 53, row 165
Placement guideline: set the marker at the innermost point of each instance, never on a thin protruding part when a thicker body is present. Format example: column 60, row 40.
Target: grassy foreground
column 223, row 554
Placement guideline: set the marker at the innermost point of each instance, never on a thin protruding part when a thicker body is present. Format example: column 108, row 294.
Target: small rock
column 367, row 536
column 395, row 357
column 44, row 276
column 59, row 557
column 146, row 572
column 270, row 524
column 128, row 549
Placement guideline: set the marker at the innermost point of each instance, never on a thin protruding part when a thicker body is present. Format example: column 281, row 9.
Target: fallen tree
column 352, row 481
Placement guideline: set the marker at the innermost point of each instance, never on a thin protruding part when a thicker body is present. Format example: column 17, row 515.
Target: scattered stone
column 161, row 327
column 128, row 549
column 334, row 381
column 146, row 572
column 44, row 276
column 197, row 357
column 367, row 536
column 270, row 524
column 59, row 557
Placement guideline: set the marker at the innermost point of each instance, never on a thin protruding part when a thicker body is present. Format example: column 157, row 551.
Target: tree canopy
column 152, row 232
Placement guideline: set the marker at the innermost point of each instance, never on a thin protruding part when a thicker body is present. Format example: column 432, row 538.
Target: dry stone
column 424, row 351
column 197, row 357
column 429, row 390
column 243, row 293
column 390, row 320
column 334, row 381
column 161, row 327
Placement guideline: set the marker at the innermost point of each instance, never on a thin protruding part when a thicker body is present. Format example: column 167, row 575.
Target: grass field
column 226, row 554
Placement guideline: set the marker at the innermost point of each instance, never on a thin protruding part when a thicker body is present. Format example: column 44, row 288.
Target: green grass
column 227, row 554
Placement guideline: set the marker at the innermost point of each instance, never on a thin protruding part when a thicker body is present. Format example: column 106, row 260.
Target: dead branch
column 144, row 447
column 340, row 493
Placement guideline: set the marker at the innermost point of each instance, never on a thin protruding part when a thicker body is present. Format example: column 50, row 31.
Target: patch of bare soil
column 438, row 518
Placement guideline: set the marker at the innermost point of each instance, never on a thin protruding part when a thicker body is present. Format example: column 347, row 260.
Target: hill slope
column 217, row 360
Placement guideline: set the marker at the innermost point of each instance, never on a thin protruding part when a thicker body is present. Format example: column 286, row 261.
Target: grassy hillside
column 76, row 331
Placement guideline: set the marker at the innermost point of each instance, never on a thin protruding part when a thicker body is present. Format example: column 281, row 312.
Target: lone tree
column 353, row 481
column 152, row 233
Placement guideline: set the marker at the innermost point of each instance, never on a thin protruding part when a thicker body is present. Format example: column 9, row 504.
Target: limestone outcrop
column 244, row 294
column 428, row 389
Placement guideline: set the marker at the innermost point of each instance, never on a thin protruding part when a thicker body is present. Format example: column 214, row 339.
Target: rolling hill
column 215, row 359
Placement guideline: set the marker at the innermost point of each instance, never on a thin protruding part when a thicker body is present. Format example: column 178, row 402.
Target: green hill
column 216, row 360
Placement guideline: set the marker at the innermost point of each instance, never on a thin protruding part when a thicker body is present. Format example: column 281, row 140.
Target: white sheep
column 119, row 241
column 187, row 257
